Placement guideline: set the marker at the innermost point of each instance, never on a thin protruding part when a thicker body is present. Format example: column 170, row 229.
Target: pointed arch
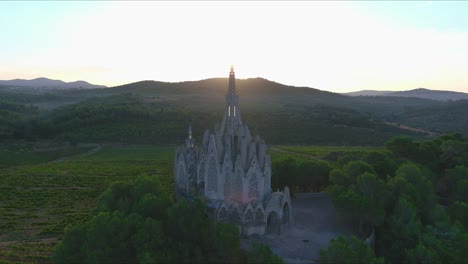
column 253, row 186
column 234, row 216
column 212, row 175
column 249, row 216
column 237, row 188
column 259, row 216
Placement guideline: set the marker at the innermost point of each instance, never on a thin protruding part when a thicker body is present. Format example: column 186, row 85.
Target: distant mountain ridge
column 368, row 93
column 423, row 93
column 49, row 83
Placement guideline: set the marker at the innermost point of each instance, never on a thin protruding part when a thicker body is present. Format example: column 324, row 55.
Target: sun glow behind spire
column 337, row 46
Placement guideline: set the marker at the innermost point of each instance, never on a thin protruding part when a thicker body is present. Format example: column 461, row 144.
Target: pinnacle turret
column 190, row 141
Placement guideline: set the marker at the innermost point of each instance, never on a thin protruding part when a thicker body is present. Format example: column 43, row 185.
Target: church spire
column 232, row 83
column 232, row 112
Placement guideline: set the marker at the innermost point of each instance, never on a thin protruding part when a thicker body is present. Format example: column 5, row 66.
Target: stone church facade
column 231, row 171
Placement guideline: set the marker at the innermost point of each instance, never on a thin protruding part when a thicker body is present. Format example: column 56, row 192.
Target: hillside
column 449, row 116
column 44, row 83
column 367, row 93
column 259, row 92
column 431, row 94
column 416, row 93
column 156, row 112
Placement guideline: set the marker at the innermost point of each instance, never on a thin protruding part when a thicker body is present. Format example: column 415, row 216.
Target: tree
column 403, row 147
column 410, row 183
column 403, row 232
column 382, row 162
column 453, row 153
column 428, row 155
column 348, row 250
column 262, row 254
column 339, row 178
column 421, row 254
column 458, row 183
column 135, row 222
column 312, row 174
column 374, row 198
column 348, row 174
column 365, row 201
column 355, row 168
column 284, row 172
column 459, row 212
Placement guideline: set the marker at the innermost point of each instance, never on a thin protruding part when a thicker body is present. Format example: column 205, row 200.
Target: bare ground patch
column 315, row 223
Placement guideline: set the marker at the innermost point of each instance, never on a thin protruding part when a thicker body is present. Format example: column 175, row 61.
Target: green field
column 25, row 154
column 37, row 202
column 321, row 152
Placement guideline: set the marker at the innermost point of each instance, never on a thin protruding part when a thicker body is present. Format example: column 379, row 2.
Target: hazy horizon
column 333, row 46
column 239, row 79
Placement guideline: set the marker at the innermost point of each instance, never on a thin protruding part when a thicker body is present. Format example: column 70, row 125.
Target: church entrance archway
column 286, row 216
column 273, row 224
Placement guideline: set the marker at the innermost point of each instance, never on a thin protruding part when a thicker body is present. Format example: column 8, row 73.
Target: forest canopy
column 417, row 207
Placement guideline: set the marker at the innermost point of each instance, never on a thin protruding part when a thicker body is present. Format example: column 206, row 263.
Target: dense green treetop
column 417, row 204
column 348, row 250
column 136, row 222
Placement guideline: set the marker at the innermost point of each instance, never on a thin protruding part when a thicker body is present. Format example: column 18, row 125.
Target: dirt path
column 87, row 153
column 414, row 129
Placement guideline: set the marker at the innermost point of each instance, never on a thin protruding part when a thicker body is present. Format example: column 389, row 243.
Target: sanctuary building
column 231, row 171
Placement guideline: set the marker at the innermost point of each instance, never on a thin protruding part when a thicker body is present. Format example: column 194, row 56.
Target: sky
column 338, row 46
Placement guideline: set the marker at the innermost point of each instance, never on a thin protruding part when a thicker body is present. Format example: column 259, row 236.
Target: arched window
column 249, row 216
column 253, row 187
column 212, row 181
column 222, row 217
column 286, row 213
column 259, row 216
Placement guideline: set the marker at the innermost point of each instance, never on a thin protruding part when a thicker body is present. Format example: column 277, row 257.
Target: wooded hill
column 157, row 112
column 417, row 93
